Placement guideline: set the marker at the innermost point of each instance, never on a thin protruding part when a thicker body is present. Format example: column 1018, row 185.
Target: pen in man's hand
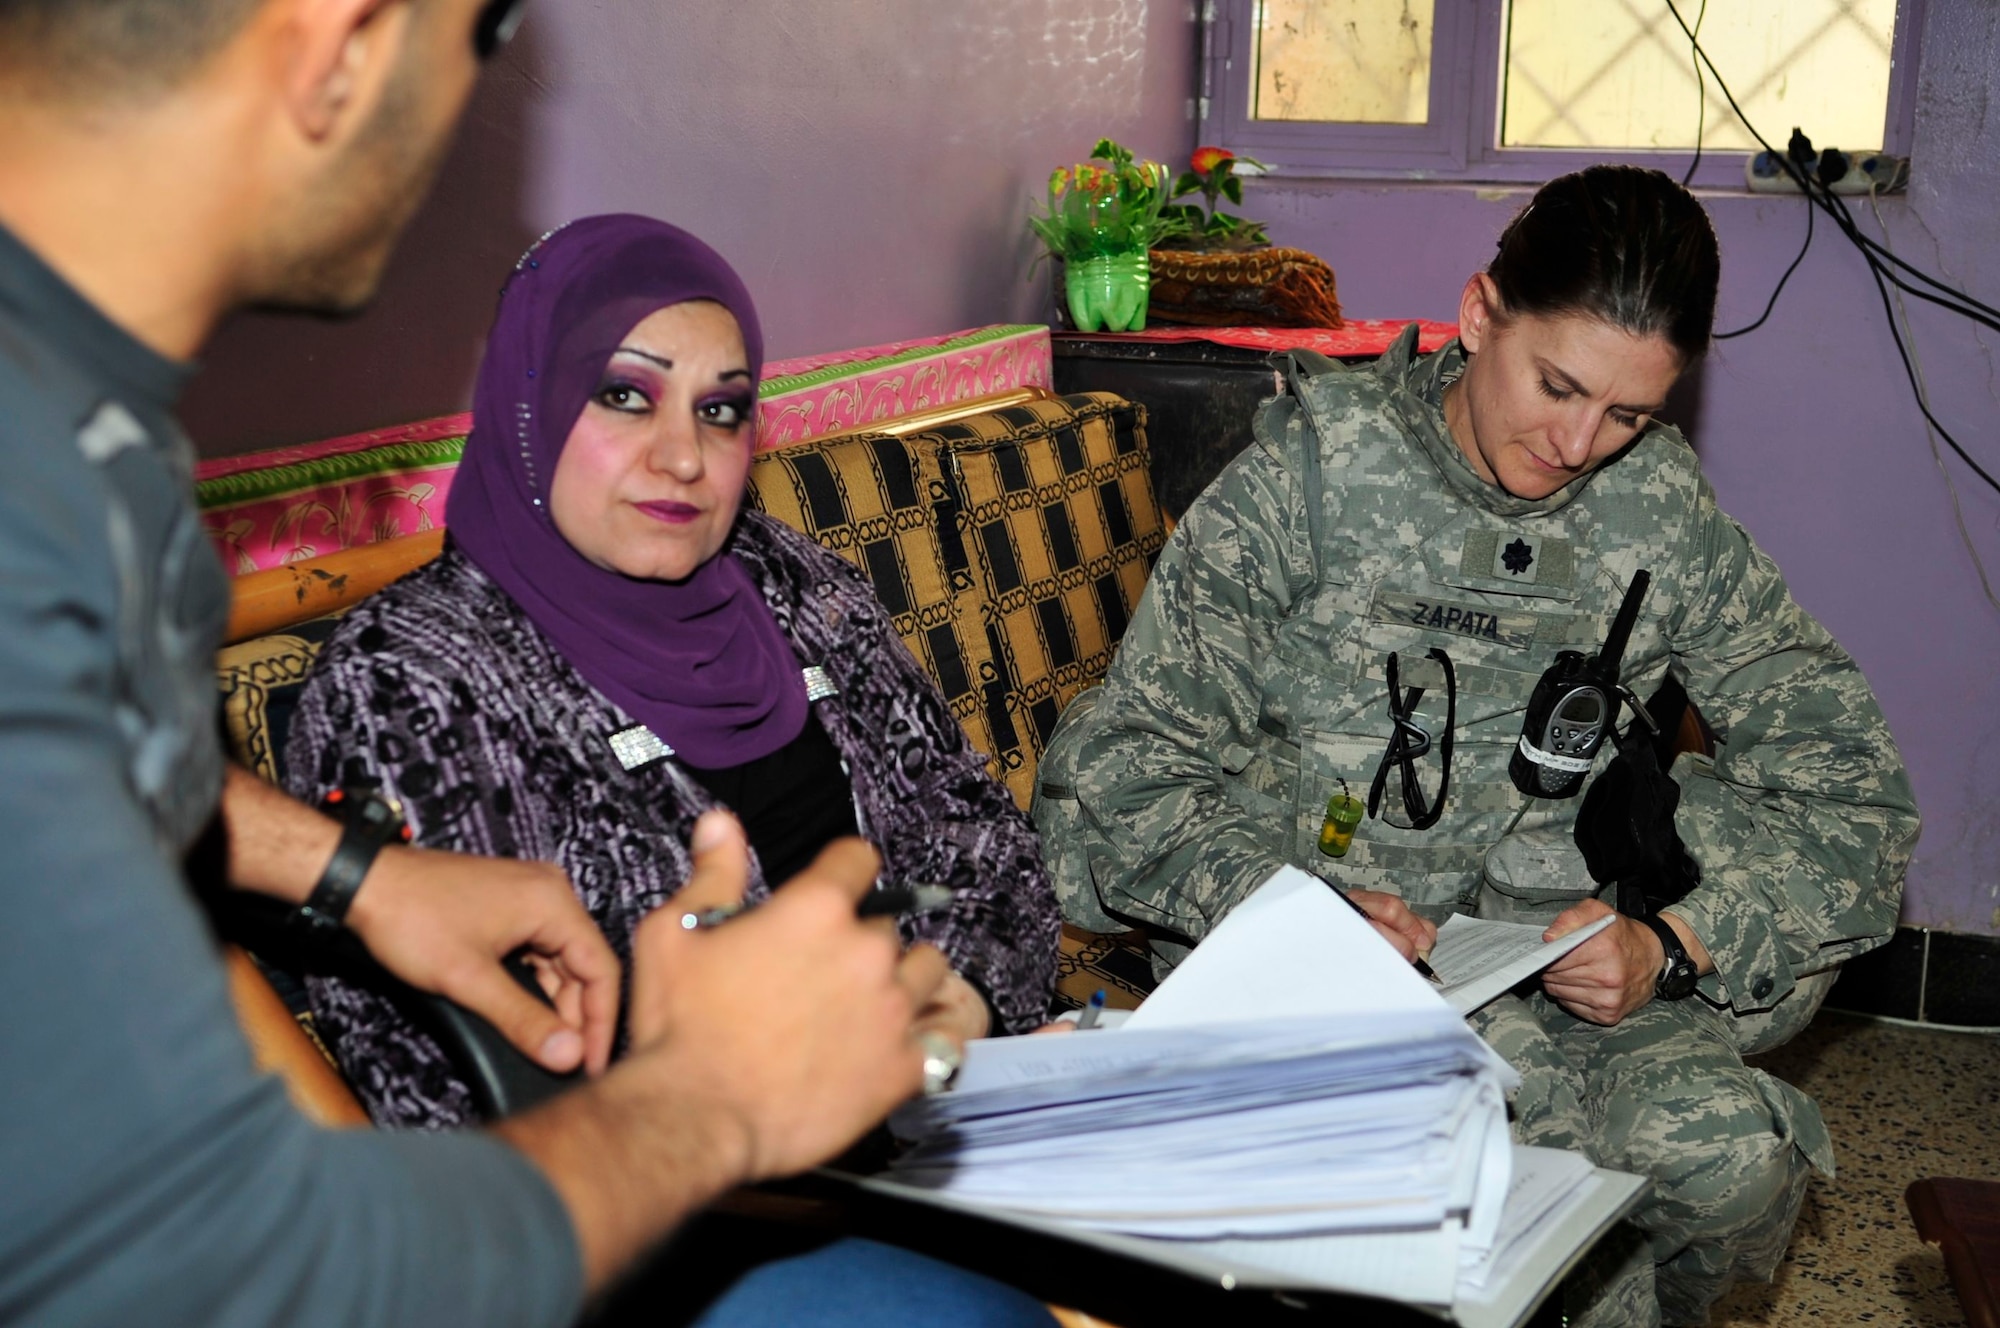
column 1086, row 1018
column 886, row 902
column 1423, row 969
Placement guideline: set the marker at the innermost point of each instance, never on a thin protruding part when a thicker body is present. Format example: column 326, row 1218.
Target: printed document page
column 1307, row 1079
column 1479, row 959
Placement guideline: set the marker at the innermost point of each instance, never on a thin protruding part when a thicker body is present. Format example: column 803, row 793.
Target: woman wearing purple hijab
column 610, row 646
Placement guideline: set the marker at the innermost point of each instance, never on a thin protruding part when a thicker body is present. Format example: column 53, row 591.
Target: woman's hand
column 1608, row 976
column 443, row 921
column 1412, row 936
column 957, row 1010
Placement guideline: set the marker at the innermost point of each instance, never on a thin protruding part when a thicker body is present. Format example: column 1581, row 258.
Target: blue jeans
column 860, row 1284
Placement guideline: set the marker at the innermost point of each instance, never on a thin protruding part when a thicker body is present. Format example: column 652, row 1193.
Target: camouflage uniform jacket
column 1252, row 680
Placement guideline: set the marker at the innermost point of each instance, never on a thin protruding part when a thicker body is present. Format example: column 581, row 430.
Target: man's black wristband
column 369, row 822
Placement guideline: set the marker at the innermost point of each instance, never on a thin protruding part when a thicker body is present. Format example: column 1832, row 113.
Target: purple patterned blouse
column 441, row 689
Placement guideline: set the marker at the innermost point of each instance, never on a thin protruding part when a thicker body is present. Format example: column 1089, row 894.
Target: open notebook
column 1294, row 1108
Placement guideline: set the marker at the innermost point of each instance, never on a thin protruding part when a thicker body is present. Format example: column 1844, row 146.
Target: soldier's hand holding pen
column 1412, row 936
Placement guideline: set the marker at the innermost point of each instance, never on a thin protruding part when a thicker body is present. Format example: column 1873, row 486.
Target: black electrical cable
column 1700, row 121
column 1874, row 252
column 1958, row 302
column 1910, row 371
column 1818, row 194
column 1778, row 289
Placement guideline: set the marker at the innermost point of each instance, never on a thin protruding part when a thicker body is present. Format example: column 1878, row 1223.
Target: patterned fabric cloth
column 1274, row 287
column 1253, row 681
column 440, row 689
column 1355, row 337
column 1010, row 549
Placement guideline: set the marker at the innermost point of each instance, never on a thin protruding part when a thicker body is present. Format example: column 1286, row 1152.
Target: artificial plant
column 1212, row 174
column 1112, row 204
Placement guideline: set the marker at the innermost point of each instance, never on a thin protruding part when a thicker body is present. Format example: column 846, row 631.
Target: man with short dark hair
column 163, row 162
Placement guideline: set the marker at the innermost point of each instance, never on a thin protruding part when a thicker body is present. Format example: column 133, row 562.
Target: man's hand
column 796, row 1017
column 759, row 1047
column 443, row 921
column 1611, row 974
column 1412, row 936
column 957, row 1010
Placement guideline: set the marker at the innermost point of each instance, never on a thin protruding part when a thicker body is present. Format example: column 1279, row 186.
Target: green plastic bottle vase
column 1109, row 293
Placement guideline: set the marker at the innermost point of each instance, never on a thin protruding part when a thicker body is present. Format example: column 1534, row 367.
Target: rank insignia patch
column 1512, row 560
column 1517, row 557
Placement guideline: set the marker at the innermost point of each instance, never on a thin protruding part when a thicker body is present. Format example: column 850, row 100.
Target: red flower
column 1207, row 159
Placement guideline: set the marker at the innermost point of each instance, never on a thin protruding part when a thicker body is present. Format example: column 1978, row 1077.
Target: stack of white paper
column 1294, row 1108
column 1293, row 1077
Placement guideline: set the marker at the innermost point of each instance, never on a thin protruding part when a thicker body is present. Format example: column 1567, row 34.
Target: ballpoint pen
column 884, row 902
column 1417, row 963
column 1086, row 1018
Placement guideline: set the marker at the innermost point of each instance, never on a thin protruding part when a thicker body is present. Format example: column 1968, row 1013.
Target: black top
column 792, row 803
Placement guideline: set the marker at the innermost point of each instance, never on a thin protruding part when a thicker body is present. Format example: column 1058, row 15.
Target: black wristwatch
column 1677, row 979
column 369, row 821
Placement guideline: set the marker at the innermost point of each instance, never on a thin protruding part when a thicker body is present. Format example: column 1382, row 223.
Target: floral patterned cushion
column 260, row 680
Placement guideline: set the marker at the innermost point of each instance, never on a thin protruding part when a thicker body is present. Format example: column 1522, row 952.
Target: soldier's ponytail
column 1619, row 243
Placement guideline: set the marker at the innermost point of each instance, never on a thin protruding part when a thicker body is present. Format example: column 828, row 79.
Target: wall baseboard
column 1931, row 977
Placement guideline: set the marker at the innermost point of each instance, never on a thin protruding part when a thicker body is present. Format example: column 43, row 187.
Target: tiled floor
column 1902, row 1103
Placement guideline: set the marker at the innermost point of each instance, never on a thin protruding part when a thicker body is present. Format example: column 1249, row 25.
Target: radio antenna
column 1613, row 653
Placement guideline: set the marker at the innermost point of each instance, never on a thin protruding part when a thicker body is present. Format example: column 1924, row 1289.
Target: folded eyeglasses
column 1409, row 740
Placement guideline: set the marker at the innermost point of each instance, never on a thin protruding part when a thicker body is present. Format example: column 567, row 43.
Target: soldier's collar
column 1418, row 386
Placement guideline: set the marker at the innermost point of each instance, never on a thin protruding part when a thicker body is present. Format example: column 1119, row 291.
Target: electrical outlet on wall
column 1764, row 173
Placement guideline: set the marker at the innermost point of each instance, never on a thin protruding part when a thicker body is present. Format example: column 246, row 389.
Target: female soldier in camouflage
column 1495, row 500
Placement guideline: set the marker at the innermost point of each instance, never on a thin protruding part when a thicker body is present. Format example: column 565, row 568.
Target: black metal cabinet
column 1199, row 397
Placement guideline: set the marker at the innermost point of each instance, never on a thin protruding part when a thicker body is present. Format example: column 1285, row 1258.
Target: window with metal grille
column 1526, row 89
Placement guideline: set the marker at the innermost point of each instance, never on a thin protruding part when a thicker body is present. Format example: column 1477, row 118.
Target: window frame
column 1460, row 141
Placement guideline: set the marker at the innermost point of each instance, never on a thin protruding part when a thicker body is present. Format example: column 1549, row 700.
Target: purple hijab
column 700, row 662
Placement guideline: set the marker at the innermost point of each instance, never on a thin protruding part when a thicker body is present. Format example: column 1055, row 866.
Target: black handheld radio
column 1574, row 707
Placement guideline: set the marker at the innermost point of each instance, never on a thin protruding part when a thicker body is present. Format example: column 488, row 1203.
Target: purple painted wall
column 867, row 164
column 1807, row 426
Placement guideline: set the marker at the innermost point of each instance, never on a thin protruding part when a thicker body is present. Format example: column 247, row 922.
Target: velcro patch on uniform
column 1474, row 620
column 1517, row 557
